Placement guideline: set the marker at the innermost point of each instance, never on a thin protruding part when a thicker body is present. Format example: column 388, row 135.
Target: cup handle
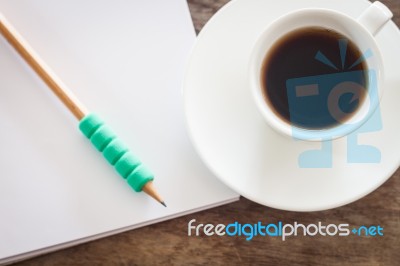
column 375, row 17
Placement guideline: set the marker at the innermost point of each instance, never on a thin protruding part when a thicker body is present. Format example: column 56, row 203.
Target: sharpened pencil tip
column 163, row 203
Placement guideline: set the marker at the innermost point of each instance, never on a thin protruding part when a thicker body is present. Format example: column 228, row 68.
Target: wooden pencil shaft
column 44, row 72
column 53, row 82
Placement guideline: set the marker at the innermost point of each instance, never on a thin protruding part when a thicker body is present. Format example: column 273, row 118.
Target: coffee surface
column 313, row 52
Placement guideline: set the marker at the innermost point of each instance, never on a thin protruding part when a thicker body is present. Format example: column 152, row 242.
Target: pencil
column 101, row 136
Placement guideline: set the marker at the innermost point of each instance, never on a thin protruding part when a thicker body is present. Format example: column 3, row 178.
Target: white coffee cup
column 360, row 31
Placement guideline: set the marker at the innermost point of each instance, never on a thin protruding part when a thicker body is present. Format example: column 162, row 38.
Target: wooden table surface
column 167, row 243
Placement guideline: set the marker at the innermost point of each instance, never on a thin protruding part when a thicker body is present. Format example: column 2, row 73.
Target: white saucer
column 243, row 151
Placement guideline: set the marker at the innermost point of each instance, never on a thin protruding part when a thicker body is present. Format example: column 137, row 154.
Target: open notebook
column 124, row 60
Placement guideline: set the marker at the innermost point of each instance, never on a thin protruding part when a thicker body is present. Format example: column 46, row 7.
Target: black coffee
column 313, row 55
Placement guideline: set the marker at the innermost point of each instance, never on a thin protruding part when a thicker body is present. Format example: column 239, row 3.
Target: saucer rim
column 384, row 177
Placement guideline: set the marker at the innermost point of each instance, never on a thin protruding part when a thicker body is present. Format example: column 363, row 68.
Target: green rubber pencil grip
column 115, row 152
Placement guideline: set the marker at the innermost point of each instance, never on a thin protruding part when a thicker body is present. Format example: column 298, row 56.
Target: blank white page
column 125, row 61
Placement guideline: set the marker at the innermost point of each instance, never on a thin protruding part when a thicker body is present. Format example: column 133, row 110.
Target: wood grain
column 167, row 243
